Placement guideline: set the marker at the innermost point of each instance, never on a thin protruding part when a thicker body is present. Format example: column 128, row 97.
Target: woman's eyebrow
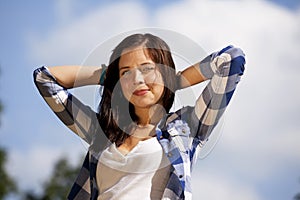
column 145, row 63
column 125, row 67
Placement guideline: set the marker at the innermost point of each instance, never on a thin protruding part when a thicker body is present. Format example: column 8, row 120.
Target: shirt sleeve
column 80, row 118
column 223, row 69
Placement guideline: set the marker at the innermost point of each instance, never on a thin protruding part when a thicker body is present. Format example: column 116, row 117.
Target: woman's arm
column 76, row 76
column 52, row 84
column 205, row 69
column 190, row 76
column 223, row 69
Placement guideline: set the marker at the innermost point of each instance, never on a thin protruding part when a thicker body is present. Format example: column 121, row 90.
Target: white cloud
column 32, row 167
column 219, row 186
column 70, row 44
column 261, row 130
column 63, row 10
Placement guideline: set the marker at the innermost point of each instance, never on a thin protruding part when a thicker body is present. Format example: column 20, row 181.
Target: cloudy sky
column 257, row 156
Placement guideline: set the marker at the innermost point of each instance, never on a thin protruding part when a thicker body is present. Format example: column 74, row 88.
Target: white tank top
column 141, row 174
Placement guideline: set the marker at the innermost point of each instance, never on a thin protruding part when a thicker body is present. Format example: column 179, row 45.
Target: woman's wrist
column 103, row 74
column 189, row 77
column 178, row 81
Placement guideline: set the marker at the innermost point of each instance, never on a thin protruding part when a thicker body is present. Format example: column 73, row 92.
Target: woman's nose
column 138, row 77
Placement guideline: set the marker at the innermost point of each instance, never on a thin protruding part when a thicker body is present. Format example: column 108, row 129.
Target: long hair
column 116, row 113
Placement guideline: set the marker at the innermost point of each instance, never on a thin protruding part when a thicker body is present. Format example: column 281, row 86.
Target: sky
column 257, row 155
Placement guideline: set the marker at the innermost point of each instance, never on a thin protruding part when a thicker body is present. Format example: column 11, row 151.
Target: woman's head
column 140, row 66
column 140, row 79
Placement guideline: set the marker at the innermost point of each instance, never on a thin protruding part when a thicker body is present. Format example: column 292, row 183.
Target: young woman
column 138, row 149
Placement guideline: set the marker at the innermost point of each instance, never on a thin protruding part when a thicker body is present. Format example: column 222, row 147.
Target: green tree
column 61, row 181
column 59, row 184
column 7, row 185
column 1, row 106
column 297, row 196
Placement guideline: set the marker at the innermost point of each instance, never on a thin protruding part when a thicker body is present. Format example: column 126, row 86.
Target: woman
column 138, row 150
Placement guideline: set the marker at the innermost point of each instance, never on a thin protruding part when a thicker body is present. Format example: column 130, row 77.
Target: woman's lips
column 140, row 92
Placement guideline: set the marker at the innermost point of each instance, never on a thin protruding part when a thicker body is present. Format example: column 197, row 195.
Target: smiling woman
column 138, row 148
column 141, row 82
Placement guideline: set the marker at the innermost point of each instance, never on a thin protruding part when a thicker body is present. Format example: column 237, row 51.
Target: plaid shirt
column 181, row 134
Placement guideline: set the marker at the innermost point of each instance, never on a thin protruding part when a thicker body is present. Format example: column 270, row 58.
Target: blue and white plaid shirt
column 181, row 134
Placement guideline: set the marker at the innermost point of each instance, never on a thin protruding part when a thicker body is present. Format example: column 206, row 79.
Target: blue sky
column 257, row 156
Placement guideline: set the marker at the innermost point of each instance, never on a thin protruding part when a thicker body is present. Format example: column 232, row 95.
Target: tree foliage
column 59, row 184
column 297, row 197
column 1, row 106
column 61, row 181
column 7, row 185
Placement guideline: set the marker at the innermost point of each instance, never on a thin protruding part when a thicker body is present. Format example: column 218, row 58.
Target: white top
column 141, row 174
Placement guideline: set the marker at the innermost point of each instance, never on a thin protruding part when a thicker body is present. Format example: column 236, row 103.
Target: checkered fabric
column 181, row 134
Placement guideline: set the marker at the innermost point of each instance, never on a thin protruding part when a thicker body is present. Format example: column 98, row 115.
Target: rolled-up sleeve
column 224, row 69
column 80, row 118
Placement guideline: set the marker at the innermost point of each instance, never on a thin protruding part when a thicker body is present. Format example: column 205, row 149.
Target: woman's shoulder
column 183, row 113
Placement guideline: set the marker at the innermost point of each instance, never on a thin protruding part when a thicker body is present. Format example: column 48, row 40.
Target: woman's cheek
column 126, row 89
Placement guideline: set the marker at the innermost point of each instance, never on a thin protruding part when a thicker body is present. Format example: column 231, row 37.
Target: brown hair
column 115, row 112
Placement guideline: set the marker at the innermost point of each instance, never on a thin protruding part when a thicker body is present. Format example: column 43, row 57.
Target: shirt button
column 169, row 154
column 180, row 176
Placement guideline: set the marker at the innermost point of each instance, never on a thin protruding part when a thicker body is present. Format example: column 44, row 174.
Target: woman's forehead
column 134, row 57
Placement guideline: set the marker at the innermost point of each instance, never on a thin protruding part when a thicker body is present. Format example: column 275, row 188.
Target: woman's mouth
column 140, row 92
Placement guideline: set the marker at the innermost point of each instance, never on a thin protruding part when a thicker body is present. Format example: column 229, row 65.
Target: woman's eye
column 147, row 69
column 126, row 73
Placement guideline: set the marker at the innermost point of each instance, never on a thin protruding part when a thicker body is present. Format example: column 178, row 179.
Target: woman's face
column 140, row 79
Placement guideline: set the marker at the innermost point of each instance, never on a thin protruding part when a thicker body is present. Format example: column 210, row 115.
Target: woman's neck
column 143, row 115
column 150, row 115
